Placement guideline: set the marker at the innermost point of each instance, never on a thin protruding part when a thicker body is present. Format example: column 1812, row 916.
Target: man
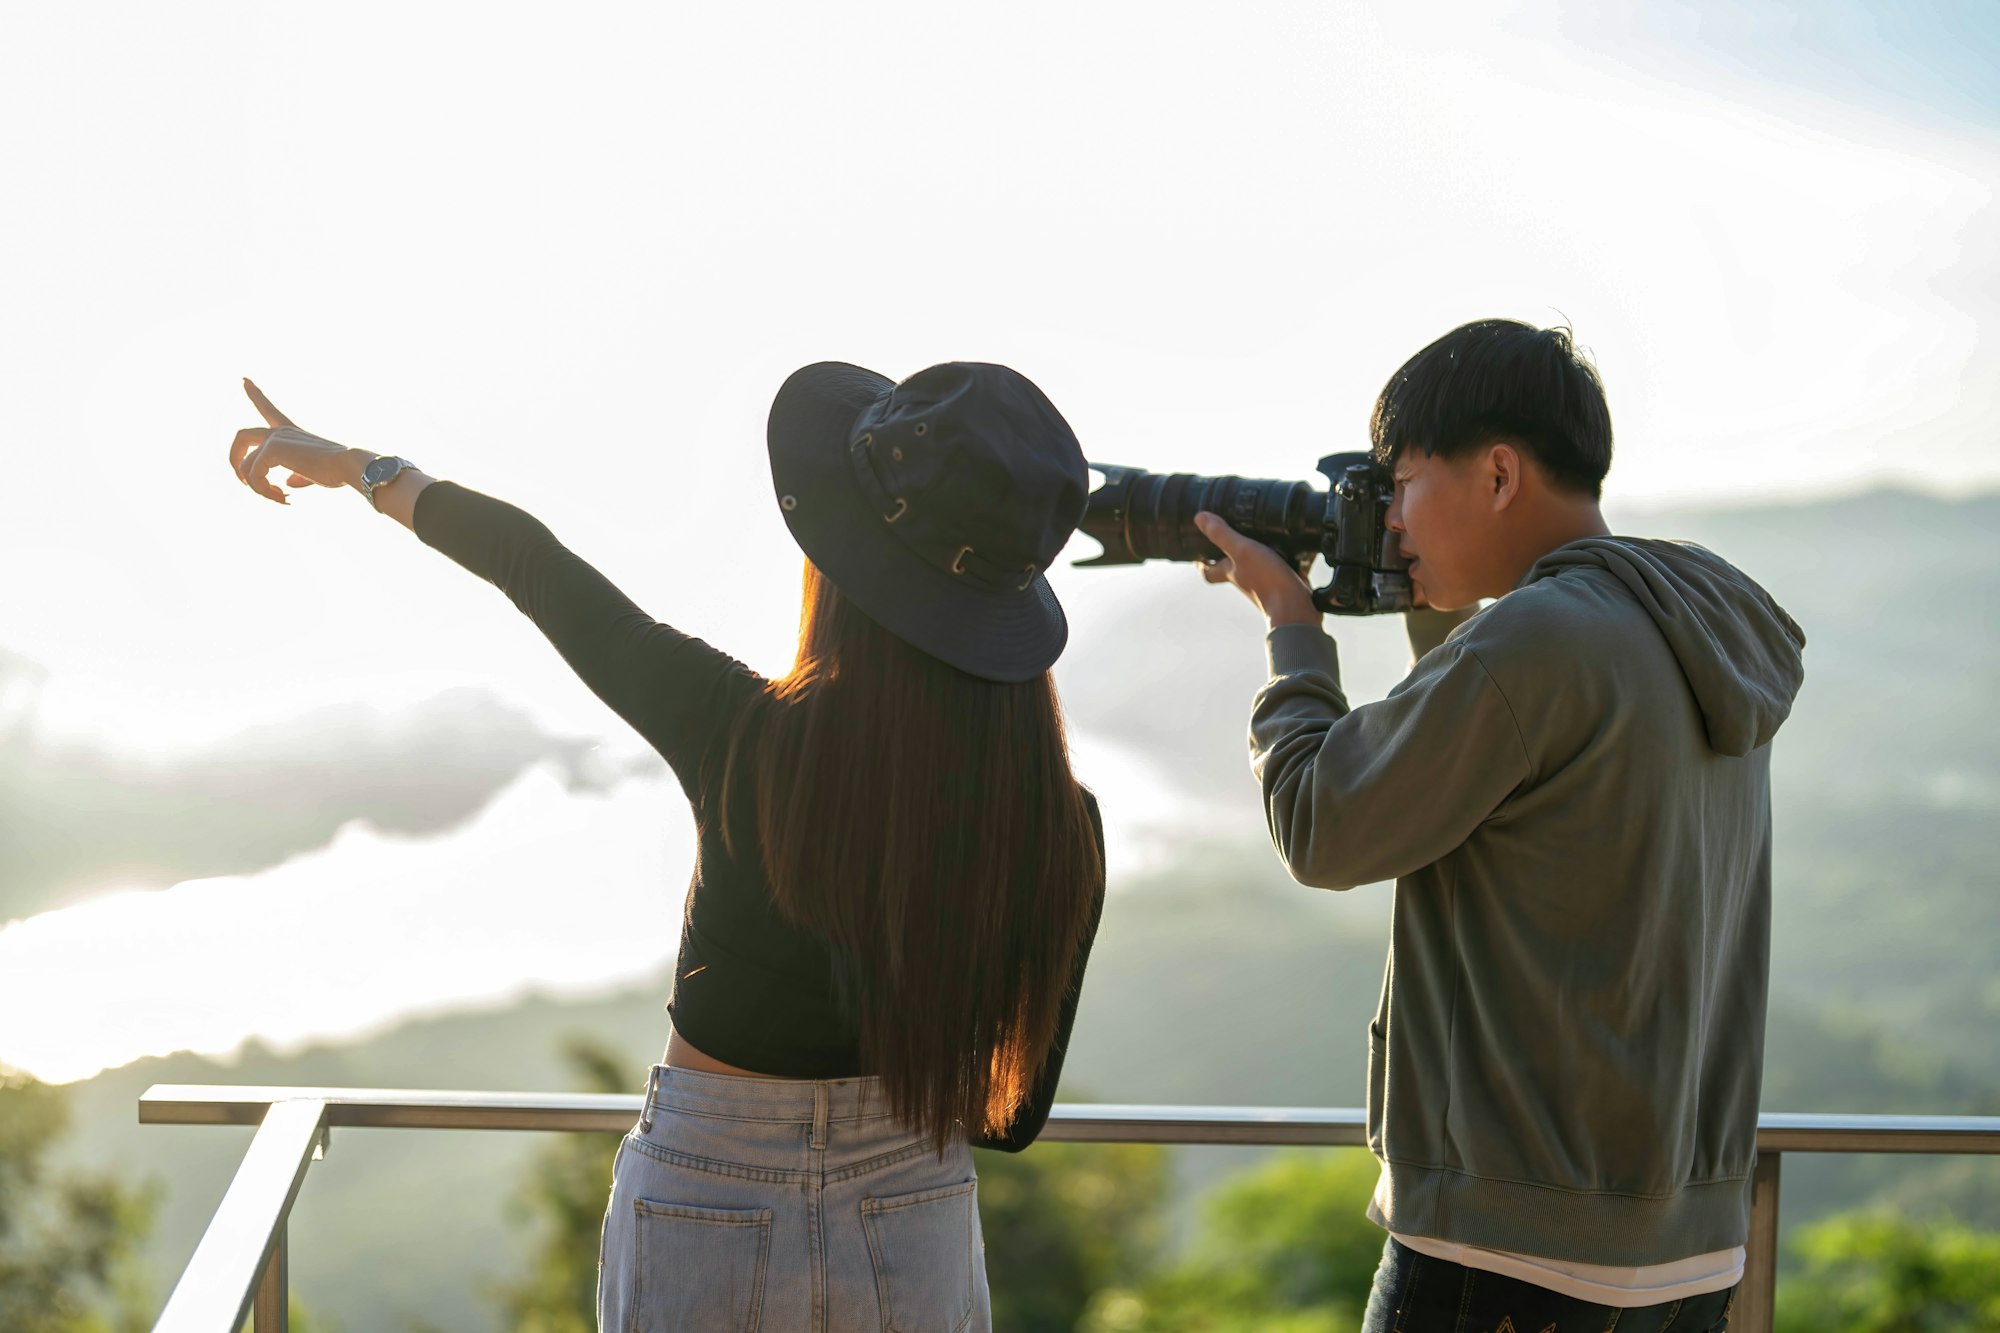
column 1572, row 793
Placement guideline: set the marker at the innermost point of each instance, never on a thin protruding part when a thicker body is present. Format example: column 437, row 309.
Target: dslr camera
column 1138, row 516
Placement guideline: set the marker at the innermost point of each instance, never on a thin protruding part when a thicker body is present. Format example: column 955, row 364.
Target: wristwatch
column 380, row 472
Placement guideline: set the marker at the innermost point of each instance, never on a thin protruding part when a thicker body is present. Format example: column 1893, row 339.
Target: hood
column 1740, row 652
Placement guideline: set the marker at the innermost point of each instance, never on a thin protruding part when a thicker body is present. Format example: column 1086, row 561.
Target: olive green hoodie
column 1572, row 794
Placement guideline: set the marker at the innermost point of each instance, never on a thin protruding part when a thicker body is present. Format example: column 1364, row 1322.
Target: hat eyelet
column 958, row 561
column 788, row 503
column 867, row 440
column 921, row 428
column 902, row 507
column 896, row 454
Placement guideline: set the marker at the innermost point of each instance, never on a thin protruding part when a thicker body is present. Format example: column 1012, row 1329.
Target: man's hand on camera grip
column 1260, row 573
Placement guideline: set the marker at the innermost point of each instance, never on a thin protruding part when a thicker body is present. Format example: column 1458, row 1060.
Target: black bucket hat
column 935, row 505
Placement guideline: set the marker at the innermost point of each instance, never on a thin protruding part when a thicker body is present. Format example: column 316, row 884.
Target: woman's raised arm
column 674, row 690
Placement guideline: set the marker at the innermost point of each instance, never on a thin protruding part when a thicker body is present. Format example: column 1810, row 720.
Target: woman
column 899, row 878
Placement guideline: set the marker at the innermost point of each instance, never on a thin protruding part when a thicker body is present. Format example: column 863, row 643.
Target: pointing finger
column 272, row 416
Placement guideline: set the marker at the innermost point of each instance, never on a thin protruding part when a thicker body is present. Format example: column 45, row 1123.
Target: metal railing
column 239, row 1268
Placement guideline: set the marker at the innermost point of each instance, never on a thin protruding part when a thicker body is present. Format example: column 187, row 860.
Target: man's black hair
column 1499, row 379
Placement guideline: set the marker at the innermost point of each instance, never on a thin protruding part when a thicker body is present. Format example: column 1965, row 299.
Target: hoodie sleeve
column 1373, row 793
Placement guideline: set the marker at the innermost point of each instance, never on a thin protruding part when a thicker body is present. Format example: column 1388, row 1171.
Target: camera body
column 1137, row 516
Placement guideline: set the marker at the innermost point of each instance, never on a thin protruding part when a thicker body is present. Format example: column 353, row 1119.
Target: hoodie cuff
column 1301, row 648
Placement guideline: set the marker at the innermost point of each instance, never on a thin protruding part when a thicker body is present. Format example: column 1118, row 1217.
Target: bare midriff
column 682, row 1055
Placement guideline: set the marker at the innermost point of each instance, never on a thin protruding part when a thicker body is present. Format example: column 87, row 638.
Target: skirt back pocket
column 699, row 1268
column 922, row 1246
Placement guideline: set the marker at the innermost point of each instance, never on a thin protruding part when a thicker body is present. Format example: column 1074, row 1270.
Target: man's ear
column 1503, row 473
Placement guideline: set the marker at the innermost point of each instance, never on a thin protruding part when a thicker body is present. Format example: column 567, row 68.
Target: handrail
column 241, row 1259
column 1072, row 1122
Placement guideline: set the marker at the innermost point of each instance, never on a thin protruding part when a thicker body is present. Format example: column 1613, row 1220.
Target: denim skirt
column 787, row 1204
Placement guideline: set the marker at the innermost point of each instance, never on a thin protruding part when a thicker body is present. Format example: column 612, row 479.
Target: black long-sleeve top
column 751, row 988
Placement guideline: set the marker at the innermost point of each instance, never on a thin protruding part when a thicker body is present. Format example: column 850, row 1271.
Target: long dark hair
column 926, row 823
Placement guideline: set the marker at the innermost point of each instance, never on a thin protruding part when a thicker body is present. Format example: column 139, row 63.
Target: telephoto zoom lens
column 1137, row 515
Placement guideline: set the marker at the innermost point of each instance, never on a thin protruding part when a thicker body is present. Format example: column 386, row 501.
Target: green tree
column 1284, row 1247
column 1064, row 1221
column 563, row 1198
column 1878, row 1272
column 65, row 1242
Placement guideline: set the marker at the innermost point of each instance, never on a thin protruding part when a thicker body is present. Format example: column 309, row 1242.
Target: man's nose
column 1393, row 520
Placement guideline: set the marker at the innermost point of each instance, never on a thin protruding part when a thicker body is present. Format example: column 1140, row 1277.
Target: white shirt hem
column 1602, row 1284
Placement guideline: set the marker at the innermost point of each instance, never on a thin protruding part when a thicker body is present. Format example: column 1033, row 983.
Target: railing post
column 270, row 1313
column 1757, row 1298
column 238, row 1269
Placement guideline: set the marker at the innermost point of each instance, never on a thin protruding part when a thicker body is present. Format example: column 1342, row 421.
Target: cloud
column 82, row 816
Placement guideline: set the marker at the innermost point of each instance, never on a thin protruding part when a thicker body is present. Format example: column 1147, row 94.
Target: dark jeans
column 1415, row 1293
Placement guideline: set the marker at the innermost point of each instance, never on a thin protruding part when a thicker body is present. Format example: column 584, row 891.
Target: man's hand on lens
column 1259, row 572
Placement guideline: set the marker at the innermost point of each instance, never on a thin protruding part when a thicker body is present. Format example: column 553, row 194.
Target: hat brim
column 1011, row 635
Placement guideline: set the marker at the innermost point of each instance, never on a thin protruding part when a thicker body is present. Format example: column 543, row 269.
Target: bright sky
column 568, row 260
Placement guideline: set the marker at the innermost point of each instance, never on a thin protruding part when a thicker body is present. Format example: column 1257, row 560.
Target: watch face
column 380, row 470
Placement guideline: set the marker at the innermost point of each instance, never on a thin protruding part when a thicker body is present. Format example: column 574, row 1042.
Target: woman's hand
column 311, row 460
column 1259, row 572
